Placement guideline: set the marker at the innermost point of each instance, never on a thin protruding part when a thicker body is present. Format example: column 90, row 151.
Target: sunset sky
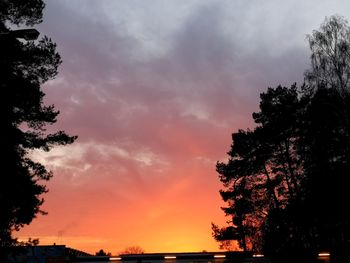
column 154, row 89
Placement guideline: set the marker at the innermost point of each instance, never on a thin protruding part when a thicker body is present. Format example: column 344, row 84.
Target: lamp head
column 27, row 34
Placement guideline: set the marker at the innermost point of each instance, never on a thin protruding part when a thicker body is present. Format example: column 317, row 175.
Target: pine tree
column 24, row 67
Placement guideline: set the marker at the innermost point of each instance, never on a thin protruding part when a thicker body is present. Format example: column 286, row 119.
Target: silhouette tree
column 330, row 55
column 285, row 180
column 226, row 237
column 133, row 250
column 101, row 252
column 318, row 218
column 327, row 140
column 24, row 67
column 262, row 171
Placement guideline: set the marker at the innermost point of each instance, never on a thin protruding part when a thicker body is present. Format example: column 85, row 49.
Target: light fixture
column 27, row 34
column 324, row 254
column 115, row 258
column 169, row 257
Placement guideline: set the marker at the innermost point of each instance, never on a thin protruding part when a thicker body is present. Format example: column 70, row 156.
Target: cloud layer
column 154, row 91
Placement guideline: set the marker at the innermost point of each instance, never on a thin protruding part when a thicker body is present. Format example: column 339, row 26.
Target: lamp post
column 27, row 34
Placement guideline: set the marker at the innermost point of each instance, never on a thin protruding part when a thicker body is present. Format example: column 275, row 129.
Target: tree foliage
column 285, row 180
column 20, row 12
column 263, row 170
column 330, row 55
column 24, row 67
column 101, row 252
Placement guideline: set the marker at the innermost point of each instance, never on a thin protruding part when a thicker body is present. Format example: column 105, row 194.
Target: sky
column 154, row 90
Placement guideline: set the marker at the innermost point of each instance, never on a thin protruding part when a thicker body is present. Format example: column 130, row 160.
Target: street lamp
column 27, row 34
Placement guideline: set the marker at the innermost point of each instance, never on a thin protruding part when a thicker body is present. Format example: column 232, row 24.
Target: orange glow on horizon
column 172, row 219
column 91, row 245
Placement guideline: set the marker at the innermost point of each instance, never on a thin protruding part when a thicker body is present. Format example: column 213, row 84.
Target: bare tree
column 133, row 250
column 330, row 55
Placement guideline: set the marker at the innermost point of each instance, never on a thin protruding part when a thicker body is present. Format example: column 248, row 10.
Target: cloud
column 154, row 91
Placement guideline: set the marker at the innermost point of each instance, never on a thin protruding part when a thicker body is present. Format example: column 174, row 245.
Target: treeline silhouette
column 25, row 64
column 285, row 181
